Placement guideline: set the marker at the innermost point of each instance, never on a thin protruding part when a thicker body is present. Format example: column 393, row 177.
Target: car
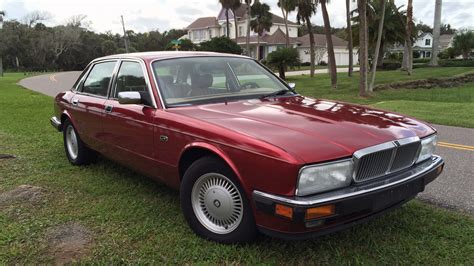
column 246, row 151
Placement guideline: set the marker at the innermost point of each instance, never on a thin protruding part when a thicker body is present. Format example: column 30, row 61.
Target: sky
column 145, row 15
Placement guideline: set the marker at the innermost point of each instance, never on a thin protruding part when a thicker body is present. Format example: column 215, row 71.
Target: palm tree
column 330, row 46
column 363, row 46
column 261, row 21
column 286, row 7
column 235, row 5
column 305, row 10
column 226, row 4
column 350, row 46
column 436, row 33
column 409, row 43
column 377, row 46
column 247, row 37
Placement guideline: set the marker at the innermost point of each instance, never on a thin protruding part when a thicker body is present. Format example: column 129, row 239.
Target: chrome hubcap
column 217, row 203
column 71, row 142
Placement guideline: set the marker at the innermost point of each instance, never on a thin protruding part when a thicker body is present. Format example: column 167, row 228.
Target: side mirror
column 130, row 97
column 292, row 85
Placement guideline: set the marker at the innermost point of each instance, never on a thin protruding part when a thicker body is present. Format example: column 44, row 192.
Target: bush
column 306, row 64
column 421, row 60
column 457, row 63
column 391, row 65
column 283, row 58
column 220, row 45
column 322, row 63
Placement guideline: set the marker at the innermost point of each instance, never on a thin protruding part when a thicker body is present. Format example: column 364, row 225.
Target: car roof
column 150, row 56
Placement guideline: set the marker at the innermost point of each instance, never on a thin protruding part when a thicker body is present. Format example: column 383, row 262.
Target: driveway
column 453, row 189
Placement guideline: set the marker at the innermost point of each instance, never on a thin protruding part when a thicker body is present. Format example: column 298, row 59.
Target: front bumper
column 353, row 205
column 56, row 123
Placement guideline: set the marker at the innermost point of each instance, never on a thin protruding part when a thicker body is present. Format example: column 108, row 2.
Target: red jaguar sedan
column 247, row 152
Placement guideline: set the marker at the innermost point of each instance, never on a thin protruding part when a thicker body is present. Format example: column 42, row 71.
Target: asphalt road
column 453, row 189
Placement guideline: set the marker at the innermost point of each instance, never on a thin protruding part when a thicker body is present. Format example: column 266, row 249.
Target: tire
column 224, row 216
column 76, row 151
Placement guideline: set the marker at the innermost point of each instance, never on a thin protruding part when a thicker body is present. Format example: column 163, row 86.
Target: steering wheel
column 249, row 85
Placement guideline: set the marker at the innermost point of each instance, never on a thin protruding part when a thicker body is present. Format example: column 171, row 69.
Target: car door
column 128, row 128
column 88, row 103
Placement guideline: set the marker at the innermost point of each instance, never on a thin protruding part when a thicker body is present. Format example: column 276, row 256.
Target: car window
column 130, row 78
column 98, row 80
column 212, row 79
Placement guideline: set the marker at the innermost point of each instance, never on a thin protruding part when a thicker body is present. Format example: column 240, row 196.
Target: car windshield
column 211, row 79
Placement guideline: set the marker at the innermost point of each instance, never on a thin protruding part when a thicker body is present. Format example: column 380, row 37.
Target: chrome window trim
column 317, row 165
column 85, row 76
column 145, row 74
column 435, row 160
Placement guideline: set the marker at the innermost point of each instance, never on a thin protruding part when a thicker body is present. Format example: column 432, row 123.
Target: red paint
column 265, row 142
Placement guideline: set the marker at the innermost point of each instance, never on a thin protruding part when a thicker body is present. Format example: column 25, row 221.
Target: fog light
column 284, row 211
column 321, row 211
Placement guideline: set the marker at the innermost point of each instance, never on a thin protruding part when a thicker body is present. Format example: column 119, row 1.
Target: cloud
column 143, row 15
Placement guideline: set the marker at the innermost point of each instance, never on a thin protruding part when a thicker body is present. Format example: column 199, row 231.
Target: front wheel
column 214, row 204
column 76, row 151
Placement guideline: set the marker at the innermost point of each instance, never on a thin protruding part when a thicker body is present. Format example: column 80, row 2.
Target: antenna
column 125, row 39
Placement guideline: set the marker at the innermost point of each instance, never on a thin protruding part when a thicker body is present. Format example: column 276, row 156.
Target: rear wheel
column 76, row 151
column 214, row 204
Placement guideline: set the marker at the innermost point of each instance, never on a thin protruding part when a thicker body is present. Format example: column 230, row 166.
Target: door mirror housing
column 292, row 85
column 130, row 97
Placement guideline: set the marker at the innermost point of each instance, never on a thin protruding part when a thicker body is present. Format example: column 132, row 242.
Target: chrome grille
column 386, row 158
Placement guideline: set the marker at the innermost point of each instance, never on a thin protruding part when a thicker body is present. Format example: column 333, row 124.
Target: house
column 341, row 53
column 423, row 45
column 205, row 28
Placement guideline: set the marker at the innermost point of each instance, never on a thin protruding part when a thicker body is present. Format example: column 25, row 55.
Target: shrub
column 306, row 64
column 421, row 60
column 457, row 63
column 220, row 45
column 391, row 65
column 322, row 63
column 283, row 58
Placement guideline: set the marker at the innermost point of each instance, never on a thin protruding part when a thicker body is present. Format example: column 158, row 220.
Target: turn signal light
column 319, row 212
column 284, row 211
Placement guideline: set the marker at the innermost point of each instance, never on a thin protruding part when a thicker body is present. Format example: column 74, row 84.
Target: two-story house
column 205, row 28
column 423, row 45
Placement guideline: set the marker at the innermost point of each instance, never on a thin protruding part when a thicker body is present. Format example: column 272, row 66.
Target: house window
column 427, row 42
column 210, row 34
column 241, row 31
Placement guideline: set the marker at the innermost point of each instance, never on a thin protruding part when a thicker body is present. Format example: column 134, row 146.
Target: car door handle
column 108, row 108
column 75, row 102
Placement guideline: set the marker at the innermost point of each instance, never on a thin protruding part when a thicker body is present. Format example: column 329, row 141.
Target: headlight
column 428, row 147
column 324, row 177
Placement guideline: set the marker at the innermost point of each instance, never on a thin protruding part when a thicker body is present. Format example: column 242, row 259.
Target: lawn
column 134, row 220
column 449, row 106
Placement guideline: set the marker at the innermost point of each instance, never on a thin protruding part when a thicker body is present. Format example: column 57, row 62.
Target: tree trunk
column 377, row 47
column 247, row 40
column 408, row 37
column 258, row 47
column 227, row 22
column 364, row 46
column 436, row 33
column 405, row 57
column 349, row 36
column 311, row 46
column 330, row 46
column 281, row 72
column 381, row 55
column 285, row 17
column 1, row 66
column 236, row 27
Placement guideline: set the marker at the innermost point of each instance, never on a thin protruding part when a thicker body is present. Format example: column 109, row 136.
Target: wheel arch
column 195, row 151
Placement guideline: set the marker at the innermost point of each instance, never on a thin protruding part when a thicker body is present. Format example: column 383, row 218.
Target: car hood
column 308, row 129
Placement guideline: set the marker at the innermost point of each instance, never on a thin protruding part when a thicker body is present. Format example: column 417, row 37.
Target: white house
column 423, row 45
column 205, row 28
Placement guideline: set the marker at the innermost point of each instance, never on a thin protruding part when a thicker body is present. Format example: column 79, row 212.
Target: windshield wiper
column 276, row 93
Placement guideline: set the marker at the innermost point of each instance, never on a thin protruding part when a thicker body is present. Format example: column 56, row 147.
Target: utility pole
column 125, row 39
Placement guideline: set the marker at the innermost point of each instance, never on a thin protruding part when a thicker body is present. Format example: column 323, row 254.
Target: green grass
column 449, row 106
column 135, row 220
